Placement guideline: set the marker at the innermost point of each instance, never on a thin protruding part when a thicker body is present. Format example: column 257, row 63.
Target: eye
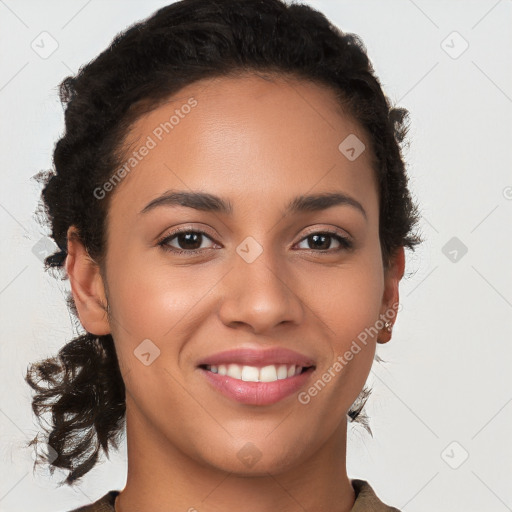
column 322, row 240
column 189, row 241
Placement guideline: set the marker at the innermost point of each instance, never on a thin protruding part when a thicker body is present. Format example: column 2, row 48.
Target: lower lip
column 257, row 393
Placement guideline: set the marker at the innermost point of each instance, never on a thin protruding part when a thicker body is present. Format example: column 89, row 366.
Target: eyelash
column 345, row 243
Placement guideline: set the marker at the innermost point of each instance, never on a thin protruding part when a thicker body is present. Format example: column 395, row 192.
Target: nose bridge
column 257, row 292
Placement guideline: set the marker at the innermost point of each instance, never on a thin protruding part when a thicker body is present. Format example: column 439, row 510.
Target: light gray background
column 446, row 388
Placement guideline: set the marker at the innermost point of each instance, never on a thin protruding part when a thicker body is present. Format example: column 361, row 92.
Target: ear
column 86, row 285
column 390, row 298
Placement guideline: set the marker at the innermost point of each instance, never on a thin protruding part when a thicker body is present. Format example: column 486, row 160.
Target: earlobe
column 87, row 286
column 391, row 296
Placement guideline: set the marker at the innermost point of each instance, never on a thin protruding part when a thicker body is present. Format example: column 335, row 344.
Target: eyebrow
column 212, row 203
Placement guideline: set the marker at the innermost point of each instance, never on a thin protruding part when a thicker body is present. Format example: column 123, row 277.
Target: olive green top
column 366, row 501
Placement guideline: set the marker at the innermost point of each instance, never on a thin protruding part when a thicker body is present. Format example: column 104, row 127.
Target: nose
column 260, row 295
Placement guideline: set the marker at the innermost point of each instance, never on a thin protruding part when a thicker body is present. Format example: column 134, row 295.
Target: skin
column 258, row 143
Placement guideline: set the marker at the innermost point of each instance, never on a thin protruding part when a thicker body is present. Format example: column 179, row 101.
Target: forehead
column 248, row 138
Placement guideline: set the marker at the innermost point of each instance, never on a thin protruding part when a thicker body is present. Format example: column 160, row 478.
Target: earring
column 388, row 325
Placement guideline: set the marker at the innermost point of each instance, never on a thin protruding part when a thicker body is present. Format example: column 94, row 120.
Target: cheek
column 350, row 312
column 348, row 299
column 159, row 307
column 149, row 299
column 161, row 303
column 349, row 304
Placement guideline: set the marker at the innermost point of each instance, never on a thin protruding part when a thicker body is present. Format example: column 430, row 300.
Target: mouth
column 247, row 373
column 257, row 377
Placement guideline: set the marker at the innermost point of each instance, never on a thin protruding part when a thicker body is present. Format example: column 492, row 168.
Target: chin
column 253, row 459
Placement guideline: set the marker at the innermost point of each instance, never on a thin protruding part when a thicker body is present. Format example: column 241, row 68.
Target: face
column 251, row 286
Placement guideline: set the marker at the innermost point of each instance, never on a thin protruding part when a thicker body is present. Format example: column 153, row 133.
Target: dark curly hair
column 179, row 44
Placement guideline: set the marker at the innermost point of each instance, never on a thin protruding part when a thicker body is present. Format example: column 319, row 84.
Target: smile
column 257, row 377
column 246, row 373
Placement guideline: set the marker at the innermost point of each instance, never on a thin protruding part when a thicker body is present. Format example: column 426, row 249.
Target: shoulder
column 367, row 500
column 104, row 504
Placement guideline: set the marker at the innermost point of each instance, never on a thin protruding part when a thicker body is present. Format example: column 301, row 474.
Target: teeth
column 282, row 371
column 269, row 373
column 234, row 371
column 249, row 373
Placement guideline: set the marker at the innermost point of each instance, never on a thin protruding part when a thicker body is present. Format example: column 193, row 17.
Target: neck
column 163, row 478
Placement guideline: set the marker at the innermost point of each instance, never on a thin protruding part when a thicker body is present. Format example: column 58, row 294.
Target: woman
column 231, row 207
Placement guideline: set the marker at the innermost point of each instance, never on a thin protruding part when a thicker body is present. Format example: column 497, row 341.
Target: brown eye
column 322, row 240
column 187, row 241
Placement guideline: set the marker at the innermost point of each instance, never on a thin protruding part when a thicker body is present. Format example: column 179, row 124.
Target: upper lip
column 255, row 357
